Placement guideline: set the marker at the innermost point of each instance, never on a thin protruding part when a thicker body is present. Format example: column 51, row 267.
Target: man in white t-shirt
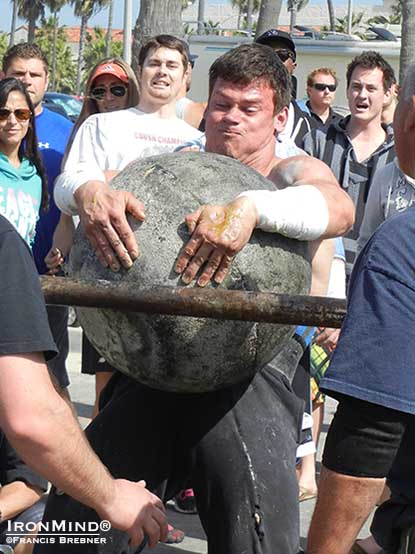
column 107, row 142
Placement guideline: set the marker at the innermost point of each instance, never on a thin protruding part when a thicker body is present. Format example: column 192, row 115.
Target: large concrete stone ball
column 186, row 354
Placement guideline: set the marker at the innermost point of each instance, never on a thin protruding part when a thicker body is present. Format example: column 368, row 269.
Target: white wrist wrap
column 66, row 185
column 298, row 212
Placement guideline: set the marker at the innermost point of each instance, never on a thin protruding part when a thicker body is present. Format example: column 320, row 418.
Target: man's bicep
column 23, row 377
column 302, row 170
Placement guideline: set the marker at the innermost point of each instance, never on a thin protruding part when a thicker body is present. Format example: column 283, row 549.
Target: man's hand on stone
column 138, row 512
column 218, row 234
column 102, row 212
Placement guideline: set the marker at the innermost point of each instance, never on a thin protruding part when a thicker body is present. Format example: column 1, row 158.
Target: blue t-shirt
column 53, row 132
column 375, row 356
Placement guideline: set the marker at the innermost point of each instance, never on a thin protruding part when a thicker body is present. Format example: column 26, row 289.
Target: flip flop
column 174, row 535
column 306, row 494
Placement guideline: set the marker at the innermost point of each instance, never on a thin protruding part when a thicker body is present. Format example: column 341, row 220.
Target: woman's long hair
column 29, row 145
column 90, row 106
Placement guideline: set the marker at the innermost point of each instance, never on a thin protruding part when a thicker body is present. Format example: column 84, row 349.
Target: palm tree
column 31, row 10
column 200, row 16
column 155, row 17
column 294, row 6
column 13, row 24
column 330, row 8
column 55, row 7
column 245, row 10
column 84, row 9
column 109, row 29
column 269, row 15
column 408, row 37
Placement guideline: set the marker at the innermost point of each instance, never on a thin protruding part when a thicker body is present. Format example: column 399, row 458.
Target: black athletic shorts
column 363, row 438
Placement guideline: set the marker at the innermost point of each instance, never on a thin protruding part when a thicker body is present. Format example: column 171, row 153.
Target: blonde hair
column 90, row 106
column 324, row 71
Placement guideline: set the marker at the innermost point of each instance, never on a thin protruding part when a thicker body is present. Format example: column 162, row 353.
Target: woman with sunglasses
column 24, row 190
column 321, row 90
column 111, row 86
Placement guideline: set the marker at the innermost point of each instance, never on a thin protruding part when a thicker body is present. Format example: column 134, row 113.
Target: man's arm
column 308, row 205
column 44, row 431
column 83, row 189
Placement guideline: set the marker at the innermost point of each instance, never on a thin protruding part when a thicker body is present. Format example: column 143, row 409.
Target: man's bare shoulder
column 287, row 172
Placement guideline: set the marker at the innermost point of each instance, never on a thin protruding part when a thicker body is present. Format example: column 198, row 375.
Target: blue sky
column 67, row 17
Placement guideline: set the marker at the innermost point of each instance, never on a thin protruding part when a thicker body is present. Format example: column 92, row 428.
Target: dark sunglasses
column 323, row 86
column 285, row 54
column 98, row 93
column 21, row 114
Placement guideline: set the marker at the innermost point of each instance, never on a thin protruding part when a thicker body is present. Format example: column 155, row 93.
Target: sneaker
column 185, row 502
column 174, row 536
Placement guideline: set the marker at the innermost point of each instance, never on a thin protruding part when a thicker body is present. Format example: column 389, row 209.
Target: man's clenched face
column 240, row 119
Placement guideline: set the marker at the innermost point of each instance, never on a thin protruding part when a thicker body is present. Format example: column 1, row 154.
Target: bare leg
column 343, row 505
column 101, row 379
column 318, row 418
column 306, row 475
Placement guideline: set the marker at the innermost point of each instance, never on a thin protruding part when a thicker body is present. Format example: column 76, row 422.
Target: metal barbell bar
column 196, row 302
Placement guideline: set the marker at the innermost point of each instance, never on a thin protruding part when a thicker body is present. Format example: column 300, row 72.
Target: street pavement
column 82, row 394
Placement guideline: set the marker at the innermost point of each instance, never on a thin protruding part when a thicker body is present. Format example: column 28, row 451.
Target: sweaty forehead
column 256, row 90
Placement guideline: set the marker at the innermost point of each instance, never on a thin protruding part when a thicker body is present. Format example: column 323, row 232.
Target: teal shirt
column 20, row 196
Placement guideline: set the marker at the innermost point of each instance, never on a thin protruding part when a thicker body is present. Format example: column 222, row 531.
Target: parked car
column 65, row 104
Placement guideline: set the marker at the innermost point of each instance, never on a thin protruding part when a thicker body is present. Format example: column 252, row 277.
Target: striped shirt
column 335, row 148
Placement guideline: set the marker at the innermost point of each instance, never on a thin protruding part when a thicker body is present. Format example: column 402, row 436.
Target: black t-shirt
column 24, row 326
column 13, row 468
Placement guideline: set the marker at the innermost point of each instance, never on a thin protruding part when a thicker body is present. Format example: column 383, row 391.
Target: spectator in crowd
column 298, row 123
column 27, row 62
column 39, row 423
column 111, row 86
column 392, row 192
column 372, row 434
column 192, row 112
column 390, row 105
column 24, row 185
column 359, row 145
column 321, row 91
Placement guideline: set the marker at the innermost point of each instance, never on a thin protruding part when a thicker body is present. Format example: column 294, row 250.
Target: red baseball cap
column 111, row 69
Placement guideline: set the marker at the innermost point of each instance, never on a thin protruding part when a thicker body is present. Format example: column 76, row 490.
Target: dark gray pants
column 237, row 445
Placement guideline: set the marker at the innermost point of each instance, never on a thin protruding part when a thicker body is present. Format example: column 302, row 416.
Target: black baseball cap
column 275, row 34
column 191, row 57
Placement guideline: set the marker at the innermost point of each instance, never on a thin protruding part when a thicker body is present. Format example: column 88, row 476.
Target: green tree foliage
column 31, row 10
column 358, row 25
column 95, row 50
column 3, row 44
column 84, row 9
column 65, row 67
column 242, row 6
